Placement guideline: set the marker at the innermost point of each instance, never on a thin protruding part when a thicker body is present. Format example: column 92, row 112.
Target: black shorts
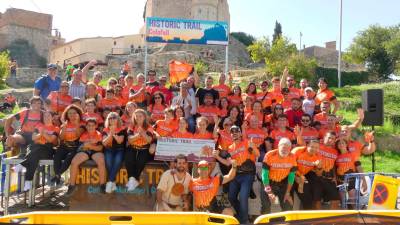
column 214, row 207
column 89, row 153
column 27, row 137
column 328, row 190
column 351, row 182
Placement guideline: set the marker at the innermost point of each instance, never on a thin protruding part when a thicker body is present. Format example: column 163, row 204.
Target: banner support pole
column 145, row 51
column 226, row 59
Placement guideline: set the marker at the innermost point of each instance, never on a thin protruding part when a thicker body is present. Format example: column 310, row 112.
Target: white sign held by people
column 194, row 149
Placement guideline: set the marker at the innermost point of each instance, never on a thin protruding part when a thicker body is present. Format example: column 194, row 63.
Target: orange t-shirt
column 257, row 134
column 223, row 90
column 325, row 95
column 94, row 137
column 164, row 128
column 10, row 99
column 240, row 152
column 224, row 140
column 209, row 112
column 305, row 161
column 178, row 134
column 279, row 167
column 223, row 112
column 140, row 141
column 207, row 135
column 355, row 147
column 277, row 135
column 126, row 120
column 100, row 90
column 322, row 118
column 329, row 156
column 71, row 132
column 59, row 102
column 112, row 104
column 204, row 191
column 260, row 117
column 156, row 112
column 322, row 132
column 234, row 100
column 277, row 96
column 286, row 104
column 122, row 100
column 294, row 93
column 139, row 98
column 345, row 163
column 50, row 130
column 265, row 101
column 32, row 121
column 310, row 134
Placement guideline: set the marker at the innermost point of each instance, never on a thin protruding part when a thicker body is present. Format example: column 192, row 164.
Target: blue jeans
column 113, row 158
column 241, row 185
column 191, row 124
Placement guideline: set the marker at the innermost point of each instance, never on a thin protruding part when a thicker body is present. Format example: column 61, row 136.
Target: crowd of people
column 293, row 132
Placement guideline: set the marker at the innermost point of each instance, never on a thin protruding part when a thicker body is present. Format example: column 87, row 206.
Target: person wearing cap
column 286, row 103
column 245, row 153
column 309, row 102
column 278, row 175
column 205, row 188
column 48, row 82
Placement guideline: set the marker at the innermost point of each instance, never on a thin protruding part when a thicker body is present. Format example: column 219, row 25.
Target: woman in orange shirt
column 157, row 107
column 92, row 92
column 90, row 112
column 182, row 131
column 201, row 131
column 235, row 99
column 128, row 112
column 44, row 139
column 251, row 90
column 256, row 110
column 179, row 112
column 325, row 94
column 271, row 119
column 235, row 116
column 119, row 96
column 165, row 127
column 223, row 106
column 140, row 135
column 91, row 147
column 70, row 132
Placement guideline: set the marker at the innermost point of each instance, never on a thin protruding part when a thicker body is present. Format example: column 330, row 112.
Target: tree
column 200, row 67
column 277, row 32
column 25, row 53
column 378, row 48
column 244, row 38
column 258, row 50
column 4, row 65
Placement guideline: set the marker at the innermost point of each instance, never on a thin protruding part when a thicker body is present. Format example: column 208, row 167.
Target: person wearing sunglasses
column 290, row 84
column 305, row 130
column 245, row 153
column 206, row 187
column 157, row 107
column 168, row 95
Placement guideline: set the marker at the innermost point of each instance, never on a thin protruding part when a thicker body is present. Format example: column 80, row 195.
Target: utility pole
column 340, row 45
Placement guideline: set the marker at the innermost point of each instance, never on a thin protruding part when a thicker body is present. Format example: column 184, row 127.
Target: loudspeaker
column 372, row 104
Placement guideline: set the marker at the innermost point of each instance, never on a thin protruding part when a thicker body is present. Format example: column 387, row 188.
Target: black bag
column 248, row 167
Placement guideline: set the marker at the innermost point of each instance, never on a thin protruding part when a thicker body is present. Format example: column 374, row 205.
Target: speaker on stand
column 372, row 105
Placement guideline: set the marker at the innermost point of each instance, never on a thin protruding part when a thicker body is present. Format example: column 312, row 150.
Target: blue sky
column 316, row 19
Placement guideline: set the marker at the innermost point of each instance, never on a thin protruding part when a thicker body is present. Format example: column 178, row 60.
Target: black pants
column 135, row 161
column 310, row 190
column 63, row 158
column 37, row 152
column 279, row 190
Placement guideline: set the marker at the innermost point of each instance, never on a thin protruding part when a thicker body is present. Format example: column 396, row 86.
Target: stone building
column 32, row 26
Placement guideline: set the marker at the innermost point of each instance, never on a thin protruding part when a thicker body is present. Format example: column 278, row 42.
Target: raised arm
column 86, row 69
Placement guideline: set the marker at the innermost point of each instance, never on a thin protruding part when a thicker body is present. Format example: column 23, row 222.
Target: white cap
column 308, row 89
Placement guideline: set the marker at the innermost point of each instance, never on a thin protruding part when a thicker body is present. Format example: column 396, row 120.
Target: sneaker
column 114, row 186
column 132, row 184
column 27, row 185
column 19, row 168
column 71, row 189
column 109, row 187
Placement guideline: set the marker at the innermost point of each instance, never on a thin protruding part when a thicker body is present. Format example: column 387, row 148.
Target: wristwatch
column 267, row 189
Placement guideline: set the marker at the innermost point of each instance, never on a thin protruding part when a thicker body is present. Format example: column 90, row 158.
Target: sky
column 317, row 20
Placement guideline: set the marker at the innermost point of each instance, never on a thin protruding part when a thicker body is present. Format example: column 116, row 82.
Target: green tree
column 378, row 48
column 4, row 66
column 277, row 32
column 25, row 53
column 258, row 50
column 244, row 38
column 200, row 67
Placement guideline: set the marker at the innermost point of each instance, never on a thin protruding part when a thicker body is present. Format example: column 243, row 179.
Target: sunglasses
column 203, row 168
column 235, row 131
column 305, row 121
column 279, row 108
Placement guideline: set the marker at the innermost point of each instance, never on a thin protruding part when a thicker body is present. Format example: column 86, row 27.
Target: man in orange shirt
column 278, row 174
column 265, row 97
column 290, row 82
column 223, row 89
column 307, row 184
column 245, row 154
column 59, row 100
column 322, row 117
column 276, row 93
column 209, row 110
column 205, row 188
column 307, row 132
column 109, row 101
column 281, row 131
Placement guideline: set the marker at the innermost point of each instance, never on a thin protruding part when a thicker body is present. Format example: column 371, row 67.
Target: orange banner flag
column 179, row 71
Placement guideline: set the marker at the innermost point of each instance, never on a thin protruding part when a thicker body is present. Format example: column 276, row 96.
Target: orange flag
column 179, row 71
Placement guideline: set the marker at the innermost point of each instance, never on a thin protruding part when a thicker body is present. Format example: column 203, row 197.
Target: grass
column 385, row 161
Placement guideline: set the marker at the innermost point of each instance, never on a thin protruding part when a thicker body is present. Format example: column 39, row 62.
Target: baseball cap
column 203, row 163
column 235, row 128
column 51, row 66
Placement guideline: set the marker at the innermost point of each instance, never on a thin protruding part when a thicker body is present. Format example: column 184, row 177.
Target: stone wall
column 25, row 77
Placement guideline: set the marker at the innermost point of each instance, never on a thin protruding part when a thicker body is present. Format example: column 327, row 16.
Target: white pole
column 340, row 47
column 226, row 59
column 145, row 50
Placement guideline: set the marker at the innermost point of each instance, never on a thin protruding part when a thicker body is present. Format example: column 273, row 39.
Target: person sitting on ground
column 90, row 147
column 173, row 188
column 44, row 139
column 205, row 189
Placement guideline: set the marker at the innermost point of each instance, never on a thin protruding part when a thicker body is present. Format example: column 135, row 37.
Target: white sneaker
column 19, row 168
column 27, row 185
column 109, row 187
column 113, row 187
column 132, row 184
